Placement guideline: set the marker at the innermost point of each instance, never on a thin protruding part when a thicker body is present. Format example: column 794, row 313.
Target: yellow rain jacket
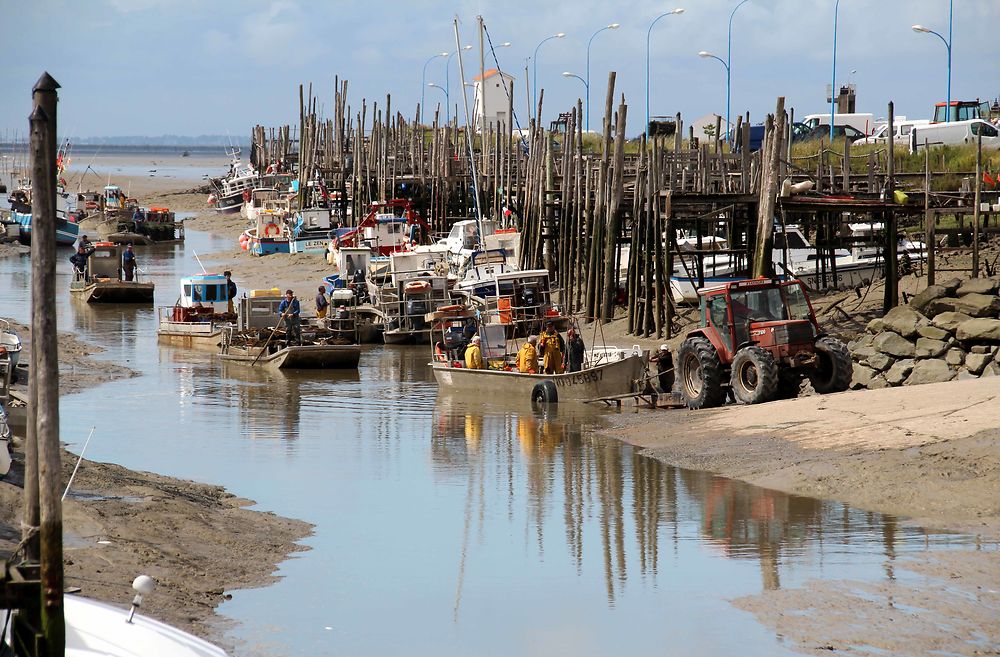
column 551, row 353
column 474, row 357
column 527, row 359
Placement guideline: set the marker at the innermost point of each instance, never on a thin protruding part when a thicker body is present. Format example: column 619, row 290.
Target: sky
column 192, row 67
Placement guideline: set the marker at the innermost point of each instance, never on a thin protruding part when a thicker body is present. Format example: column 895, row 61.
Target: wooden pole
column 762, row 265
column 45, row 344
column 891, row 295
column 930, row 238
column 976, row 217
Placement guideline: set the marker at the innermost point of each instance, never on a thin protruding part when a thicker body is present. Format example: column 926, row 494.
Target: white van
column 864, row 123
column 901, row 132
column 955, row 133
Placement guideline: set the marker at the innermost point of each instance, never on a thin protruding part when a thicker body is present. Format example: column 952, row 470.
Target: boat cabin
column 521, row 300
column 114, row 198
column 313, row 220
column 205, row 291
column 464, row 235
column 106, row 261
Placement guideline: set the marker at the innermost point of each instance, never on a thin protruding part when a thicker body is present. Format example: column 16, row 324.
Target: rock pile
column 948, row 331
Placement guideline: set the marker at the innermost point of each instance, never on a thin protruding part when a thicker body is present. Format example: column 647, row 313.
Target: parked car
column 901, row 132
column 955, row 133
column 823, row 132
column 862, row 122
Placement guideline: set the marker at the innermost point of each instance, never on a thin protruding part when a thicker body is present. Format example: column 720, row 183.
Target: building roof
column 489, row 73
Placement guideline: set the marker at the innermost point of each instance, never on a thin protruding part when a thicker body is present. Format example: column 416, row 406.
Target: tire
column 754, row 377
column 699, row 374
column 834, row 370
column 544, row 393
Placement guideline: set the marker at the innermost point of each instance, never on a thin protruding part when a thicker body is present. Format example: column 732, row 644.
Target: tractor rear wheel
column 754, row 377
column 834, row 368
column 700, row 374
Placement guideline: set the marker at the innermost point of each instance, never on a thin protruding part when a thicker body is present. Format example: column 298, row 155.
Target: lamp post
column 567, row 74
column 679, row 10
column 447, row 81
column 447, row 97
column 423, row 81
column 947, row 44
column 612, row 26
column 534, row 70
column 833, row 76
column 707, row 55
column 728, row 64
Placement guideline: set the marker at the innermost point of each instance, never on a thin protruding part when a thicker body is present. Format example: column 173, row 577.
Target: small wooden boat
column 102, row 282
column 298, row 357
column 599, row 378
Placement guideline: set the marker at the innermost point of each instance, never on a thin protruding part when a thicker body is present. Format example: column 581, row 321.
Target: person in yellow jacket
column 552, row 349
column 527, row 357
column 474, row 354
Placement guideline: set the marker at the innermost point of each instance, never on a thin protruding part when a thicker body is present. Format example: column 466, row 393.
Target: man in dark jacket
column 231, row 290
column 79, row 260
column 574, row 351
column 290, row 309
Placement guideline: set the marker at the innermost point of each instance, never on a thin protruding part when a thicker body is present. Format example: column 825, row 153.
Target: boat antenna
column 469, row 128
column 203, row 270
column 78, row 462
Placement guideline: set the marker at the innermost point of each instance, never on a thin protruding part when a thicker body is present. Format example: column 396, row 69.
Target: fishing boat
column 67, row 230
column 417, row 283
column 202, row 310
column 389, row 227
column 228, row 195
column 10, row 342
column 519, row 300
column 103, row 280
column 154, row 225
column 600, row 378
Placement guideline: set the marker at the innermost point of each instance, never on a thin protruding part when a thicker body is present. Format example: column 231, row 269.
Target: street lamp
column 567, row 74
column 423, row 81
column 833, row 78
column 707, row 55
column 613, row 26
column 679, row 10
column 947, row 44
column 534, row 70
column 447, row 100
column 728, row 65
column 447, row 80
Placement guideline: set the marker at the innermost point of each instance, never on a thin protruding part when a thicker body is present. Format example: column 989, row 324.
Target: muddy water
column 452, row 526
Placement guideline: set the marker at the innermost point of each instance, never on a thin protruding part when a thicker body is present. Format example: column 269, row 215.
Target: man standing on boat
column 321, row 303
column 552, row 349
column 474, row 354
column 527, row 357
column 128, row 263
column 79, row 260
column 290, row 310
column 231, row 290
column 574, row 351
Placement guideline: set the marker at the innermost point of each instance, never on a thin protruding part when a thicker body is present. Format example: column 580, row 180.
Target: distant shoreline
column 136, row 149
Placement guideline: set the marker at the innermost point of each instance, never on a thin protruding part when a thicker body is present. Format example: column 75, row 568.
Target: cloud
column 281, row 28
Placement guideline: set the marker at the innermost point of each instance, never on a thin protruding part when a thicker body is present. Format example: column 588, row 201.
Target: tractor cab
column 772, row 314
column 757, row 341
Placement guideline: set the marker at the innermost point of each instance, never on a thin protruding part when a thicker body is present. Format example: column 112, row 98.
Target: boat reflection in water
column 635, row 510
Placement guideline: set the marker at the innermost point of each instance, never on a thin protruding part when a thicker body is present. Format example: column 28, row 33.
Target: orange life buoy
column 450, row 309
column 271, row 230
column 416, row 287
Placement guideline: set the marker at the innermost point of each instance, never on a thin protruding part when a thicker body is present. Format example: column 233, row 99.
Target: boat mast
column 468, row 124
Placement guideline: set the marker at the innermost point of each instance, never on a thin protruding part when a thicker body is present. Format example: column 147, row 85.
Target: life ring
column 271, row 230
column 416, row 287
column 450, row 309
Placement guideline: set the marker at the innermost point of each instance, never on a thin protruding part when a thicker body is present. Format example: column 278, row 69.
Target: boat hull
column 607, row 380
column 305, row 357
column 192, row 335
column 113, row 291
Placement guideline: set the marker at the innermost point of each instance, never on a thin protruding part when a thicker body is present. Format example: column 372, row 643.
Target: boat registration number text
column 582, row 378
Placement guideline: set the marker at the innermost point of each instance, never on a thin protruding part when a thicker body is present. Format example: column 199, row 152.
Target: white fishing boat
column 201, row 312
column 10, row 342
column 417, row 283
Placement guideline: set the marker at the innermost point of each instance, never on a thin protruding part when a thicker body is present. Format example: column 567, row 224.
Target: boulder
column 979, row 330
column 922, row 299
column 862, row 376
column 963, row 375
column 976, row 363
column 893, row 344
column 904, row 320
column 899, row 371
column 951, row 285
column 875, row 326
column 949, row 321
column 977, row 305
column 942, row 305
column 983, row 349
column 954, row 357
column 933, row 332
column 878, row 381
column 927, row 348
column 878, row 361
column 929, row 371
column 992, row 369
column 863, row 352
column 864, row 339
column 978, row 286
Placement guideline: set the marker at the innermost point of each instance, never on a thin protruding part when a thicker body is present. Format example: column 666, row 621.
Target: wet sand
column 930, row 454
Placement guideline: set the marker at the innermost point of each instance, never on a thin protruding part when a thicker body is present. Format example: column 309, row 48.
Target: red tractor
column 758, row 339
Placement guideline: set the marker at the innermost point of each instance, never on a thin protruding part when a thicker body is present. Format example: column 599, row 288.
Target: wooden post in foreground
column 45, row 351
column 976, row 212
column 891, row 297
column 769, row 185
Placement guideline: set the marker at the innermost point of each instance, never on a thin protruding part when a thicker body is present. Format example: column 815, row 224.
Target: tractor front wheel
column 834, row 370
column 700, row 374
column 755, row 376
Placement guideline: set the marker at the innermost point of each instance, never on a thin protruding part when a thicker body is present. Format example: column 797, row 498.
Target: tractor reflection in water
column 758, row 339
